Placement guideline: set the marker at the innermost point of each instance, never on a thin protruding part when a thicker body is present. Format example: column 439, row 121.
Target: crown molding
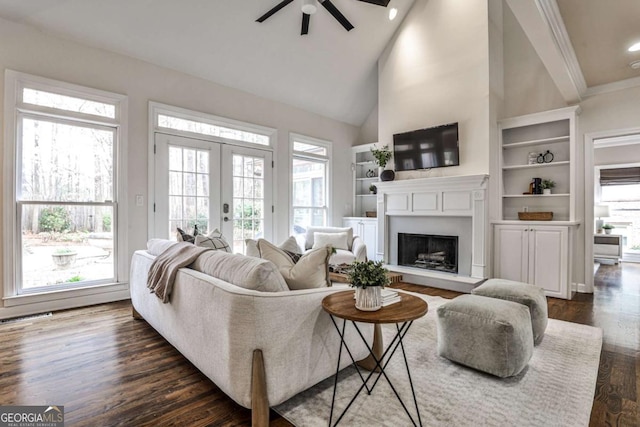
column 613, row 87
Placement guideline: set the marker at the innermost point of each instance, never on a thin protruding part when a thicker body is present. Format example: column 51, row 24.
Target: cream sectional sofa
column 260, row 348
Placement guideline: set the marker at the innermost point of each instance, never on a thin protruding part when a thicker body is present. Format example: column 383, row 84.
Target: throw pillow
column 311, row 270
column 312, row 230
column 290, row 245
column 214, row 240
column 337, row 240
column 183, row 236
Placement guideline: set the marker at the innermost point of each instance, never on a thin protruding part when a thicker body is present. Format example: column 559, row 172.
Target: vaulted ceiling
column 329, row 71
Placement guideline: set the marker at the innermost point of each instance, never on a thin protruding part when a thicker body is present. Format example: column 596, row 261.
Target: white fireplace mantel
column 455, row 196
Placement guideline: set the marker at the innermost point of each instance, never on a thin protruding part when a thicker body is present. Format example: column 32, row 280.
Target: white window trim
column 300, row 154
column 156, row 108
column 14, row 83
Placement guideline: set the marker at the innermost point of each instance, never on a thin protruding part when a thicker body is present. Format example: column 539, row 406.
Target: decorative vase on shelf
column 387, row 175
column 546, row 191
column 607, row 231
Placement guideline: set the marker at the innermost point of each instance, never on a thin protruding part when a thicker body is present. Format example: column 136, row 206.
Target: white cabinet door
column 511, row 253
column 548, row 259
column 534, row 254
column 369, row 234
column 367, row 230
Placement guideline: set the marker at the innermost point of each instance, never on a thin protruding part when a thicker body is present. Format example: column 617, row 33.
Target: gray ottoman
column 488, row 334
column 530, row 295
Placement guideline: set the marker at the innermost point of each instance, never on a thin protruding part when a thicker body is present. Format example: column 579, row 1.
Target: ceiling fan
column 309, row 7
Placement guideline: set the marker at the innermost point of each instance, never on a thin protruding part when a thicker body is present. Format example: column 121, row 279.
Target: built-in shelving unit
column 537, row 252
column 365, row 173
column 552, row 131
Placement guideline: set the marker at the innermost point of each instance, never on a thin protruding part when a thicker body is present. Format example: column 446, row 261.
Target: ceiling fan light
column 309, row 7
column 393, row 12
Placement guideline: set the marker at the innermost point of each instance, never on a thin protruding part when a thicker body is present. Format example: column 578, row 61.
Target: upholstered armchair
column 348, row 247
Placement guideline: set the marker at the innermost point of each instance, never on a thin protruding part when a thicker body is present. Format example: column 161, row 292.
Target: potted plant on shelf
column 607, row 228
column 382, row 156
column 373, row 189
column 368, row 277
column 547, row 185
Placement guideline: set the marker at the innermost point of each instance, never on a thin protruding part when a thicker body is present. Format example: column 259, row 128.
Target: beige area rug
column 556, row 388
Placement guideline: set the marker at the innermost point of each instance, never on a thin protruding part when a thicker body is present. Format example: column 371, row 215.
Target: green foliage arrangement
column 382, row 155
column 548, row 183
column 608, row 226
column 368, row 273
column 54, row 219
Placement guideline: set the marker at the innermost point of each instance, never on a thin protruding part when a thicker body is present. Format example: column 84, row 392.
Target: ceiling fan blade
column 336, row 14
column 305, row 24
column 275, row 9
column 383, row 3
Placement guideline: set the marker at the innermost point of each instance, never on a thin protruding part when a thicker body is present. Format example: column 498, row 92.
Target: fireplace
column 430, row 252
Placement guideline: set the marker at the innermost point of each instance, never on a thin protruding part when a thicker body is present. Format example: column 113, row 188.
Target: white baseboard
column 580, row 288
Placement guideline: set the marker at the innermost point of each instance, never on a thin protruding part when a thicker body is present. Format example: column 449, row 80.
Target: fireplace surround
column 448, row 204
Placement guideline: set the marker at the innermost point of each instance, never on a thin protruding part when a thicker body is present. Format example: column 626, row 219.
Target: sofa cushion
column 243, row 271
column 214, row 240
column 290, row 245
column 156, row 246
column 335, row 240
column 312, row 230
column 311, row 270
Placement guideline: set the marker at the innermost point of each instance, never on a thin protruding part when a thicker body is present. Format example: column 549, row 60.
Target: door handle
column 225, row 209
column 225, row 219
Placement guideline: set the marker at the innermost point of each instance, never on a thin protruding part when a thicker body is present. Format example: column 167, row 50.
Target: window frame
column 303, row 155
column 15, row 111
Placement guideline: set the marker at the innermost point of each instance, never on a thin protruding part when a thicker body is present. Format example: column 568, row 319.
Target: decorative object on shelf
column 373, row 189
column 371, row 214
column 607, row 228
column 547, row 185
column 545, row 158
column 535, row 216
column 601, row 211
column 537, row 186
column 383, row 155
column 368, row 278
column 532, row 158
column 371, row 173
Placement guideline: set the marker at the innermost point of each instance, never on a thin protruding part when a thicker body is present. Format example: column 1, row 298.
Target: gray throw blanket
column 166, row 265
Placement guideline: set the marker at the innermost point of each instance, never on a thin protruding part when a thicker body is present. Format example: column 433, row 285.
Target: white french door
column 212, row 185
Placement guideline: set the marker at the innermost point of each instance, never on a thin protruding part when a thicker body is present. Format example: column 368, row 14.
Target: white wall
column 528, row 87
column 369, row 129
column 27, row 50
column 436, row 71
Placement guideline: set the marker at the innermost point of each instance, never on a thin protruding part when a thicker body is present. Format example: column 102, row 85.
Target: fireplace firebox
column 431, row 252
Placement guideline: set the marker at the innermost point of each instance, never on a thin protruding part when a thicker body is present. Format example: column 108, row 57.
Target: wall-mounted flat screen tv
column 434, row 147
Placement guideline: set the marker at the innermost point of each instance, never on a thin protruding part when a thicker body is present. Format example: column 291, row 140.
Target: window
column 310, row 182
column 64, row 140
column 619, row 188
column 205, row 127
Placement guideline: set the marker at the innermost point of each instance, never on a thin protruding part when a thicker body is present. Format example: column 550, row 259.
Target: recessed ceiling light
column 393, row 12
column 635, row 65
column 634, row 47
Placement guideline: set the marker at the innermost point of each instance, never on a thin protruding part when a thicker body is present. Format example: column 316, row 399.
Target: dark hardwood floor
column 108, row 369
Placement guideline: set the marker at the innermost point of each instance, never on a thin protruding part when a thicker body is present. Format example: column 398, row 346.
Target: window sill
column 63, row 294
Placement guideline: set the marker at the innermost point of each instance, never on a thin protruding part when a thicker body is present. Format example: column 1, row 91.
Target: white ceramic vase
column 546, row 191
column 369, row 298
